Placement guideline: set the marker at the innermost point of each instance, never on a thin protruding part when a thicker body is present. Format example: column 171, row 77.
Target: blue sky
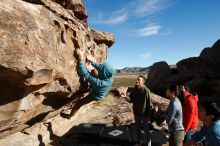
column 148, row 31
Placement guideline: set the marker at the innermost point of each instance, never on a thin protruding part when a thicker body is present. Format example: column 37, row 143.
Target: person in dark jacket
column 99, row 84
column 140, row 97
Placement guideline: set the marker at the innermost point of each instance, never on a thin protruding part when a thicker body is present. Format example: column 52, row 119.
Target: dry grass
column 119, row 81
column 124, row 80
column 108, row 100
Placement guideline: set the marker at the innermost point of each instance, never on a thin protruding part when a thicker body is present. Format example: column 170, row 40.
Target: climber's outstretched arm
column 84, row 72
column 91, row 59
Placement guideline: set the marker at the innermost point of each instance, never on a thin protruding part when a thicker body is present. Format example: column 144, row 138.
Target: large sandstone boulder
column 201, row 73
column 158, row 72
column 214, row 85
column 192, row 66
column 212, row 56
column 76, row 6
column 38, row 69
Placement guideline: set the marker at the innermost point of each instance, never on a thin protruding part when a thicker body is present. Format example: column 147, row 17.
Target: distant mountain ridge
column 132, row 70
column 135, row 70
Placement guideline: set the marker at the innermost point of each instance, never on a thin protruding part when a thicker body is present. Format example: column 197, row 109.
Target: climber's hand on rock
column 80, row 54
column 91, row 58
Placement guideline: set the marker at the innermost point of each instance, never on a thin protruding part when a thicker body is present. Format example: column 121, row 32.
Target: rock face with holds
column 201, row 73
column 38, row 67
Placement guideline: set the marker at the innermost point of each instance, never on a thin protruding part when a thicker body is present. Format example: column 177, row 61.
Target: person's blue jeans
column 188, row 136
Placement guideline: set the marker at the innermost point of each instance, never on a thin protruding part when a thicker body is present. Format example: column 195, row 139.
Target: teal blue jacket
column 100, row 85
column 211, row 134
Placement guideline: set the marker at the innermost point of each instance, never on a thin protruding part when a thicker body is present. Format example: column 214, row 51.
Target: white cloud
column 151, row 29
column 116, row 18
column 142, row 8
column 136, row 10
column 145, row 56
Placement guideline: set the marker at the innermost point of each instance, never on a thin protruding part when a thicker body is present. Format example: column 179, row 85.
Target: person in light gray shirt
column 174, row 117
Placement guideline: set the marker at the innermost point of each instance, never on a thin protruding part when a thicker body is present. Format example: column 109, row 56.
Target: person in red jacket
column 190, row 111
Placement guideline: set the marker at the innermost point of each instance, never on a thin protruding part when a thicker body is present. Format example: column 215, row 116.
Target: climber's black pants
column 89, row 98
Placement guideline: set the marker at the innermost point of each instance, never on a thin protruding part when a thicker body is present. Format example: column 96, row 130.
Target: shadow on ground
column 102, row 135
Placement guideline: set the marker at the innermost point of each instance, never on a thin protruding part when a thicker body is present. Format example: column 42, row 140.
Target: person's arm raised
column 91, row 59
column 81, row 54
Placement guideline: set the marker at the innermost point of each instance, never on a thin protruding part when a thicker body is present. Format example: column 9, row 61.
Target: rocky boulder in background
column 158, row 72
column 201, row 73
column 38, row 69
column 211, row 56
